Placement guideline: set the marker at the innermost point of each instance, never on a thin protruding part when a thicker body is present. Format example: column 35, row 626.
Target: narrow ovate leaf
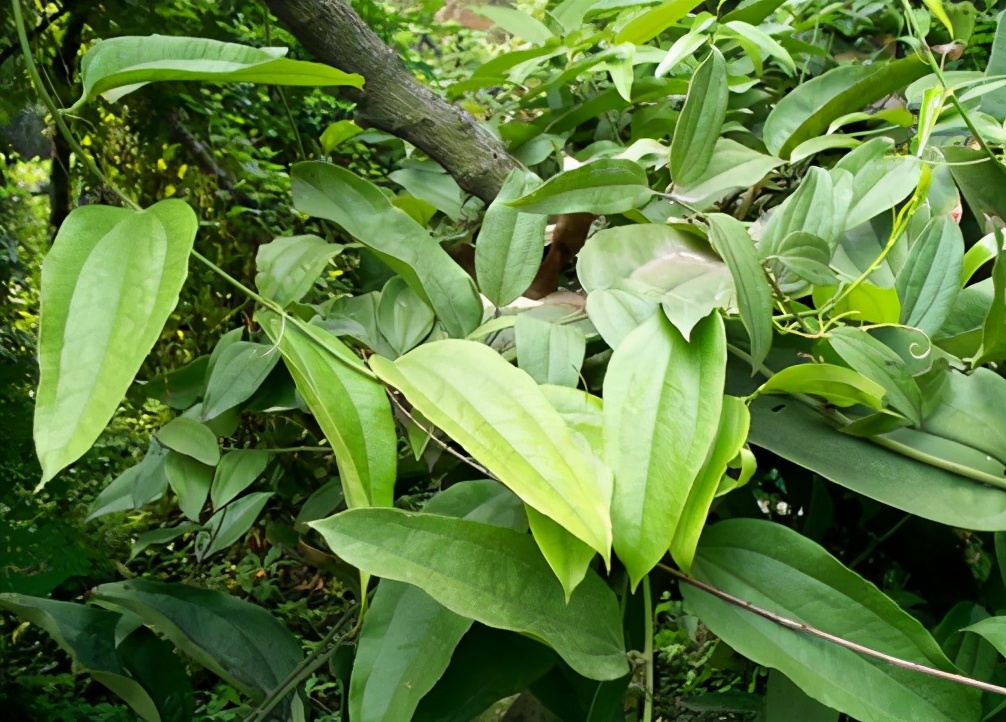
column 118, row 66
column 493, row 575
column 655, row 21
column 349, row 404
column 550, row 353
column 838, row 385
column 190, row 480
column 568, row 557
column 754, row 560
column 500, row 416
column 238, row 373
column 236, row 471
column 731, row 240
column 508, row 251
column 516, row 22
column 879, row 363
column 288, row 267
column 609, row 185
column 663, row 397
column 402, row 317
column 928, row 282
column 701, row 120
column 994, row 328
column 972, row 412
column 732, row 167
column 109, row 283
column 231, row 523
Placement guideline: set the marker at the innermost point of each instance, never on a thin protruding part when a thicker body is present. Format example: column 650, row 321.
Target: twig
column 813, row 631
column 877, row 541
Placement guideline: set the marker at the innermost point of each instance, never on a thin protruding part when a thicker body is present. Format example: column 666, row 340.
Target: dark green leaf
column 609, row 185
column 701, row 120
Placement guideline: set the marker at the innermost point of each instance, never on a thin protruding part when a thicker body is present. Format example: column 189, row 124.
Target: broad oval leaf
column 754, row 559
column 190, row 480
column 663, row 397
column 494, row 575
column 288, row 267
column 929, row 280
column 349, row 404
column 808, row 110
column 238, row 373
column 972, row 412
column 501, row 417
column 838, row 385
column 880, row 180
column 508, row 251
column 615, row 313
column 235, row 473
column 240, row 642
column 117, row 66
column 408, row 638
column 192, row 438
column 701, row 120
column 327, row 191
column 109, row 283
column 730, row 239
column 609, row 185
column 402, row 317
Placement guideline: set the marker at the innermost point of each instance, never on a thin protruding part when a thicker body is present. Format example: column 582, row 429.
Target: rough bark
column 393, row 100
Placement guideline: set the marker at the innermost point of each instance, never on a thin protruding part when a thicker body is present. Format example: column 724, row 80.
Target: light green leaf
column 972, row 412
column 765, row 42
column 239, row 642
column 609, row 185
column 615, row 313
column 501, row 417
column 822, row 143
column 928, row 282
column 993, row 347
column 192, row 438
column 516, row 22
column 232, row 522
column 288, row 267
column 732, row 432
column 493, row 575
column 995, row 103
column 732, row 167
column 508, row 251
column 336, row 194
column 134, row 487
column 685, row 46
column 402, row 316
column 653, row 22
column 550, row 353
column 235, row 473
column 753, row 12
column 808, row 110
column 583, row 411
column 663, row 396
column 431, row 184
column 338, row 133
column 701, row 120
column 879, row 363
column 568, row 557
column 239, row 372
column 804, row 258
column 190, row 480
column 117, row 66
column 936, row 8
column 838, row 385
column 349, row 405
column 879, row 180
column 985, row 250
column 109, row 283
column 754, row 559
column 731, row 240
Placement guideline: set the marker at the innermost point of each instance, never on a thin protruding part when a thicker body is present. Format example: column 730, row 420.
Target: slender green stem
column 54, row 111
column 234, row 282
column 648, row 650
column 877, row 541
column 787, row 303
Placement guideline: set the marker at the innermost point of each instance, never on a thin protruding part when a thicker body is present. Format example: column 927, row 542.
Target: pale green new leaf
column 349, row 405
column 616, row 312
column 516, row 22
column 928, row 281
column 501, row 417
column 609, row 185
column 338, row 133
column 109, row 283
column 508, row 252
column 663, row 397
column 494, row 575
column 288, row 267
column 550, row 353
column 755, row 560
column 731, row 240
column 838, row 385
column 117, row 66
column 430, row 183
column 701, row 120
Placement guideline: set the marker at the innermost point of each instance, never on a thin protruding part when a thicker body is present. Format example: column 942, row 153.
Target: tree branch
column 393, row 100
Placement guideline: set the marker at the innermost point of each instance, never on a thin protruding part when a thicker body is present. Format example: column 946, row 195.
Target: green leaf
column 583, row 411
column 608, row 185
column 753, row 12
column 238, row 641
column 408, row 637
column 808, row 110
column 732, row 167
column 109, row 283
column 431, row 184
column 730, row 239
column 117, row 66
column 493, row 575
column 336, row 194
column 701, row 120
column 508, row 252
column 785, row 702
column 879, row 363
column 804, row 258
column 995, row 103
column 879, row 180
column 288, row 267
column 501, row 417
column 350, row 406
column 402, row 316
column 732, row 432
column 232, row 522
column 568, row 557
column 516, row 22
column 663, row 397
column 181, row 387
column 686, row 45
column 239, row 372
column 653, row 22
column 985, row 249
column 994, row 328
column 837, row 385
column 972, row 412
column 928, row 281
column 134, row 487
column 160, row 536
column 979, row 180
column 192, row 438
column 754, row 560
column 993, row 630
column 551, row 353
column 338, row 133
column 764, row 42
column 812, row 209
column 190, row 480
column 89, row 636
column 616, row 312
column 235, row 473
